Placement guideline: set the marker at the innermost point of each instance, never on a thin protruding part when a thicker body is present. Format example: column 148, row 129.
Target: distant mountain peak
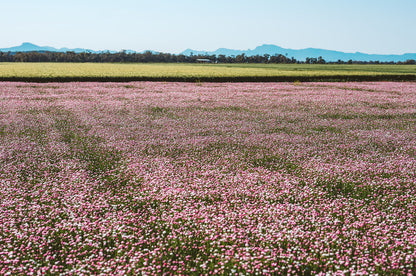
column 269, row 46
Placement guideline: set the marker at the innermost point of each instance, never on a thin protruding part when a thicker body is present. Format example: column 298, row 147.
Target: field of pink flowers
column 207, row 178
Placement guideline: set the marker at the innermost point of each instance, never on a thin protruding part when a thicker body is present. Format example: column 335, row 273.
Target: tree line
column 147, row 57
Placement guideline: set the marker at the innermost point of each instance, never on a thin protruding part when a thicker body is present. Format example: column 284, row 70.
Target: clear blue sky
column 370, row 26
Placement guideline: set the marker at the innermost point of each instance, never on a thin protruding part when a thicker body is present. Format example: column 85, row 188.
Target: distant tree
column 311, row 60
column 240, row 58
column 222, row 58
column 181, row 58
column 279, row 59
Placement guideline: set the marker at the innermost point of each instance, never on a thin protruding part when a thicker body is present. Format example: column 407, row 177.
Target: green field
column 47, row 72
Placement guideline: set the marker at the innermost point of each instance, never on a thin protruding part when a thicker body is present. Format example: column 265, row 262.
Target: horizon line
column 206, row 51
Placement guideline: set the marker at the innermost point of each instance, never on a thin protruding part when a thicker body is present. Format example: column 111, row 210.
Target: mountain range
column 30, row 47
column 301, row 54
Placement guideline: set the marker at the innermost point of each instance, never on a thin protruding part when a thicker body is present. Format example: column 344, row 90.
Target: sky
column 368, row 26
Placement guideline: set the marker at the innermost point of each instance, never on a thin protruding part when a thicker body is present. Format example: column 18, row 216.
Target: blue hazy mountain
column 300, row 54
column 30, row 47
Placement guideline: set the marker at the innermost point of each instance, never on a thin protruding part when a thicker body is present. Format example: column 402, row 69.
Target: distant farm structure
column 203, row 60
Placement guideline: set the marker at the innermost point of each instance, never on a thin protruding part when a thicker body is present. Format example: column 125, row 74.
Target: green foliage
column 158, row 110
column 327, row 129
column 338, row 187
column 338, row 116
column 87, row 148
column 276, row 162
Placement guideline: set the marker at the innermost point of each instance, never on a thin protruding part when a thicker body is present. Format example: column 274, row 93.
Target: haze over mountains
column 30, row 47
column 301, row 54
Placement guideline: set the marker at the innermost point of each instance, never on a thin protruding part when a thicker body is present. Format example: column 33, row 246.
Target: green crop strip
column 65, row 72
